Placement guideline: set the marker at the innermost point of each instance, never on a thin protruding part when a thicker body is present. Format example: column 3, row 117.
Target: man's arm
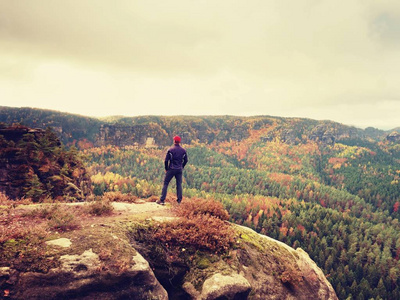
column 185, row 160
column 168, row 160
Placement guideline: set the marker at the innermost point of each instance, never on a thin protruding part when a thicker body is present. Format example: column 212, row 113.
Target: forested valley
column 332, row 190
column 339, row 203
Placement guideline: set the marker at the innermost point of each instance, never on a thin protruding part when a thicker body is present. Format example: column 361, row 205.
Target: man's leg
column 167, row 179
column 178, row 177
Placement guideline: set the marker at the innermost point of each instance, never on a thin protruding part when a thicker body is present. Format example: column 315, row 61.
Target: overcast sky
column 336, row 60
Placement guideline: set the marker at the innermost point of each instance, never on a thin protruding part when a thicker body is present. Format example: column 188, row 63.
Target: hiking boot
column 179, row 201
column 160, row 202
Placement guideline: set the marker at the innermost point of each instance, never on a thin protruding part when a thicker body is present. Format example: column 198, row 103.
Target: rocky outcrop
column 290, row 136
column 81, row 277
column 218, row 286
column 323, row 132
column 276, row 271
column 133, row 135
column 33, row 164
column 394, row 137
column 323, row 135
column 162, row 134
column 259, row 268
column 102, row 261
column 16, row 133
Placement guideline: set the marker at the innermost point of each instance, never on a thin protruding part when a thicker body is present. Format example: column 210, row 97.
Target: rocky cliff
column 322, row 132
column 134, row 135
column 122, row 131
column 105, row 258
column 33, row 164
column 393, row 137
column 238, row 129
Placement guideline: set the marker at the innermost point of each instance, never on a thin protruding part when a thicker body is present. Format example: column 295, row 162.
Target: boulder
column 277, row 271
column 220, row 286
column 82, row 277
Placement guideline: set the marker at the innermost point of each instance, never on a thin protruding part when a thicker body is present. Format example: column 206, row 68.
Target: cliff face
column 122, row 131
column 103, row 259
column 394, row 137
column 323, row 132
column 124, row 135
column 34, row 165
column 162, row 130
column 281, row 272
column 10, row 164
column 326, row 133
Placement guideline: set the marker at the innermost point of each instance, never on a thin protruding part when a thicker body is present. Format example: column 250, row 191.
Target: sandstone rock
column 131, row 135
column 82, row 277
column 289, row 136
column 87, row 261
column 323, row 134
column 309, row 269
column 394, row 137
column 282, row 272
column 4, row 271
column 220, row 286
column 62, row 242
column 191, row 290
column 18, row 168
column 258, row 268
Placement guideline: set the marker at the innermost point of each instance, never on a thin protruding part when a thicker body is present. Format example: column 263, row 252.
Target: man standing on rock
column 175, row 162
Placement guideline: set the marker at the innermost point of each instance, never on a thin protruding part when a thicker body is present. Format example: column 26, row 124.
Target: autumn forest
column 330, row 189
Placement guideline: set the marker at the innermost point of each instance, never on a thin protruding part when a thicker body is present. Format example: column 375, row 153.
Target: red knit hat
column 177, row 139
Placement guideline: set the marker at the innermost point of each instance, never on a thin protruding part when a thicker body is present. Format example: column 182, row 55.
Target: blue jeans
column 168, row 176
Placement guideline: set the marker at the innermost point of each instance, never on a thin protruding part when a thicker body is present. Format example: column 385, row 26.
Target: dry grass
column 16, row 227
column 58, row 216
column 99, row 208
column 119, row 197
column 6, row 201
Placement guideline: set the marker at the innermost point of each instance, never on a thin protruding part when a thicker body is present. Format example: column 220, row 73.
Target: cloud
column 229, row 57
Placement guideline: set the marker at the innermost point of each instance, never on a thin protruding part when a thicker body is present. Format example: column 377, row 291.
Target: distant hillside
column 122, row 131
column 69, row 127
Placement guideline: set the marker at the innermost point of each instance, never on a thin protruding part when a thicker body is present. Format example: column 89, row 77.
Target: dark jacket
column 176, row 158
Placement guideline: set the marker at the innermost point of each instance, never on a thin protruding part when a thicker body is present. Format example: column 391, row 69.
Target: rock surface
column 81, row 277
column 298, row 276
column 103, row 263
column 394, row 137
column 62, row 242
column 221, row 286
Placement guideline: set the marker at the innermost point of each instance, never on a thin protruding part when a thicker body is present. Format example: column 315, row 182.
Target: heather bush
column 63, row 220
column 198, row 206
column 202, row 227
column 19, row 228
column 203, row 232
column 58, row 217
column 119, row 197
column 99, row 208
column 44, row 211
column 5, row 200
